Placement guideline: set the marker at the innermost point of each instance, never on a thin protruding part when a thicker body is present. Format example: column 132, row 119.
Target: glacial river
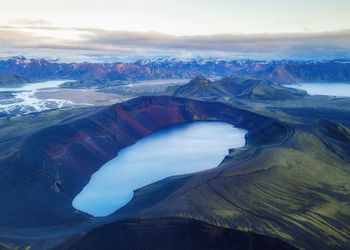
column 330, row 89
column 24, row 101
column 177, row 150
column 21, row 99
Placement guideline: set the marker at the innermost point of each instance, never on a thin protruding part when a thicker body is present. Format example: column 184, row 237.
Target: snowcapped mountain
column 174, row 68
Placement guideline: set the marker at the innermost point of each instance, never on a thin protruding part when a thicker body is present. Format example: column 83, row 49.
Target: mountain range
column 279, row 71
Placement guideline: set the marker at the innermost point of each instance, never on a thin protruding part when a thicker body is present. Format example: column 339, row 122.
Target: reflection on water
column 177, row 150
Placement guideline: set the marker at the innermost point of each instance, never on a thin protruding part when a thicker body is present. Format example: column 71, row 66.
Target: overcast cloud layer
column 39, row 39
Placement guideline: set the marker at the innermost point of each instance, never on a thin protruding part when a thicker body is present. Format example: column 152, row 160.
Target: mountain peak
column 232, row 88
column 199, row 79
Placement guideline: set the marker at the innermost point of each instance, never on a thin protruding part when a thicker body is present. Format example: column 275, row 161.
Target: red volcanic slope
column 51, row 167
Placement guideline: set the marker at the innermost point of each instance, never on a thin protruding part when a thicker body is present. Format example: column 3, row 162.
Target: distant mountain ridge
column 13, row 79
column 280, row 71
column 230, row 88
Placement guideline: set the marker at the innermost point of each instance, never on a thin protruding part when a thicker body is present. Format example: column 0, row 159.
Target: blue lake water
column 177, row 150
column 330, row 89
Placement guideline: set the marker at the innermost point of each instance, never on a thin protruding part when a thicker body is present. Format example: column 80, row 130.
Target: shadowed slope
column 172, row 233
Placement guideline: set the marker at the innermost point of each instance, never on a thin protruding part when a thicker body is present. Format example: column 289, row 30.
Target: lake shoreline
column 183, row 149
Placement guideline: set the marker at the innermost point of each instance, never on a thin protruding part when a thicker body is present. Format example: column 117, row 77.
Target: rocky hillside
column 309, row 72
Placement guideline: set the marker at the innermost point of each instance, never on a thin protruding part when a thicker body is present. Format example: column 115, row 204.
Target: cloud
column 322, row 45
column 221, row 42
column 23, row 21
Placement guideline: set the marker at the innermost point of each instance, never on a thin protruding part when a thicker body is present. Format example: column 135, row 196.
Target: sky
column 105, row 30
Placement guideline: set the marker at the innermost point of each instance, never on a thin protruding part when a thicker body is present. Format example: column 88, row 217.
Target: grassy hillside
column 298, row 191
